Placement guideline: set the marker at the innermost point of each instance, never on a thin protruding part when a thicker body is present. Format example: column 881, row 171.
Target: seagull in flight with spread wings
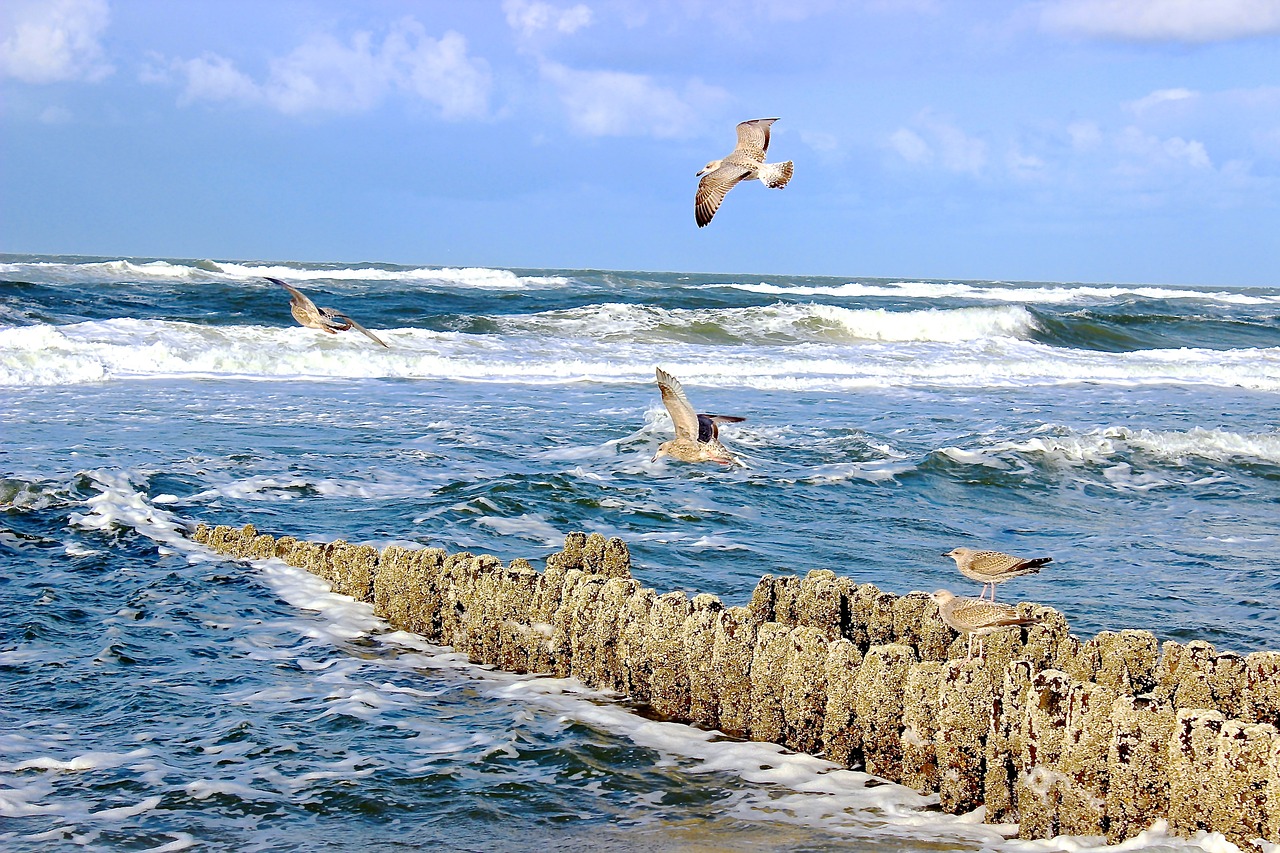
column 745, row 163
column 697, row 435
column 327, row 319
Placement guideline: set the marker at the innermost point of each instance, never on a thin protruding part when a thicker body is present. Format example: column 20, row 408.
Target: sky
column 1127, row 141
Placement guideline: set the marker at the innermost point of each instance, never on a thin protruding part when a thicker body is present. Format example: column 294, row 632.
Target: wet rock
column 616, row 562
column 1244, row 772
column 611, row 666
column 879, row 688
column 731, row 656
column 699, row 643
column 963, row 720
column 593, row 554
column 1137, row 765
column 584, row 617
column 916, row 623
column 351, row 569
column 820, row 603
column 919, row 725
column 406, row 589
column 871, row 616
column 669, row 680
column 768, row 668
column 841, row 734
column 1260, row 693
column 1004, row 743
column 1183, row 674
column 1038, row 790
column 1086, row 740
column 774, row 600
column 804, row 685
column 633, row 644
column 1194, row 783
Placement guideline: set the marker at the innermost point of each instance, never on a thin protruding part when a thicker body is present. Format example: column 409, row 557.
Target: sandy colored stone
column 773, row 600
column 1194, row 783
column 804, row 686
column 731, row 657
column 919, row 725
column 699, row 644
column 583, row 622
column 633, row 644
column 768, row 668
column 916, row 623
column 1004, row 743
column 561, row 645
column 518, row 639
column 1086, row 739
column 1038, row 790
column 963, row 720
column 406, row 589
column 1137, row 765
column 1183, row 674
column 871, row 616
column 351, row 569
column 841, row 735
column 1227, row 683
column 593, row 554
column 1244, row 755
column 571, row 555
column 1260, row 693
column 820, row 604
column 879, row 689
column 615, row 596
column 616, row 561
column 669, row 680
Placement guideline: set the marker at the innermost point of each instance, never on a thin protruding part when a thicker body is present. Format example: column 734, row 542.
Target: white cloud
column 947, row 145
column 1161, row 97
column 1148, row 153
column 531, row 17
column 1193, row 21
column 50, row 41
column 616, row 103
column 1084, row 135
column 326, row 74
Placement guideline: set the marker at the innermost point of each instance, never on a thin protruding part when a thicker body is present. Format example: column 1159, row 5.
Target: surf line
column 1059, row 735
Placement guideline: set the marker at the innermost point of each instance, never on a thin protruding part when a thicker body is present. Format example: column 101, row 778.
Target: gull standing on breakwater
column 975, row 617
column 331, row 321
column 746, row 162
column 697, row 435
column 992, row 567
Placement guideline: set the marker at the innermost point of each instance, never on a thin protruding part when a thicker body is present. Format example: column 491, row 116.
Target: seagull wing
column 712, row 189
column 707, row 428
column 753, row 136
column 678, row 406
column 977, row 615
column 362, row 330
column 993, row 562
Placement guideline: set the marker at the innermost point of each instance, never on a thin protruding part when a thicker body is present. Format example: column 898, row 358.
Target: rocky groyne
column 1061, row 735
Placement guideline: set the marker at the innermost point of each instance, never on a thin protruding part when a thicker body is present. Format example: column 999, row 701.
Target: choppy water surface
column 156, row 697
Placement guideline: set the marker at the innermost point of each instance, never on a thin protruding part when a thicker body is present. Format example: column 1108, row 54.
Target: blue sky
column 1060, row 140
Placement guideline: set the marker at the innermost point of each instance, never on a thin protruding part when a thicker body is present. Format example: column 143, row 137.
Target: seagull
column 331, row 321
column 745, row 163
column 697, row 435
column 975, row 617
column 992, row 567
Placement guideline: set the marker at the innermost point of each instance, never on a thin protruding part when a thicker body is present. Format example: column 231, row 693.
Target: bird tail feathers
column 776, row 175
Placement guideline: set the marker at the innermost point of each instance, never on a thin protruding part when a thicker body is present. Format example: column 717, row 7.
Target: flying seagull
column 697, row 435
column 745, row 163
column 992, row 567
column 975, row 617
column 331, row 321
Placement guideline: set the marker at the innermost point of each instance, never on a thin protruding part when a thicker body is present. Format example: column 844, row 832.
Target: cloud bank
column 53, row 41
column 1190, row 21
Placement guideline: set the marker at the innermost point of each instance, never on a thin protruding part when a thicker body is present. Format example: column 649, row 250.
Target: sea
column 155, row 696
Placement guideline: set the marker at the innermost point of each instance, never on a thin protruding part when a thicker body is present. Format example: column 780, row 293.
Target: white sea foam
column 167, row 271
column 781, row 322
column 122, row 349
column 1002, row 292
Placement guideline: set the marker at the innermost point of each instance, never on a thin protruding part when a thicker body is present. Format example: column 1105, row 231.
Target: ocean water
column 156, row 697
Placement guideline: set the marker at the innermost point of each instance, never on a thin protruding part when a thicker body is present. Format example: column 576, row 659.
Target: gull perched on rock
column 745, row 163
column 331, row 321
column 697, row 435
column 992, row 567
column 975, row 617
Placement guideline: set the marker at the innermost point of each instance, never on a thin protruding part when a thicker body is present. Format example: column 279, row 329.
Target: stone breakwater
column 1061, row 735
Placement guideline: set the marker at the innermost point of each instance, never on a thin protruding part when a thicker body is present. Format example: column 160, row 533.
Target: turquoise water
column 159, row 698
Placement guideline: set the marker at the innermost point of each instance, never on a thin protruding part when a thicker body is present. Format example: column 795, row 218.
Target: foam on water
column 1054, row 294
column 167, row 271
column 44, row 355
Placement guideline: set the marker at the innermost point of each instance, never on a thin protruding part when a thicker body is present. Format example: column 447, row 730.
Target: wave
column 778, row 323
column 1048, row 294
column 97, row 351
column 115, row 271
